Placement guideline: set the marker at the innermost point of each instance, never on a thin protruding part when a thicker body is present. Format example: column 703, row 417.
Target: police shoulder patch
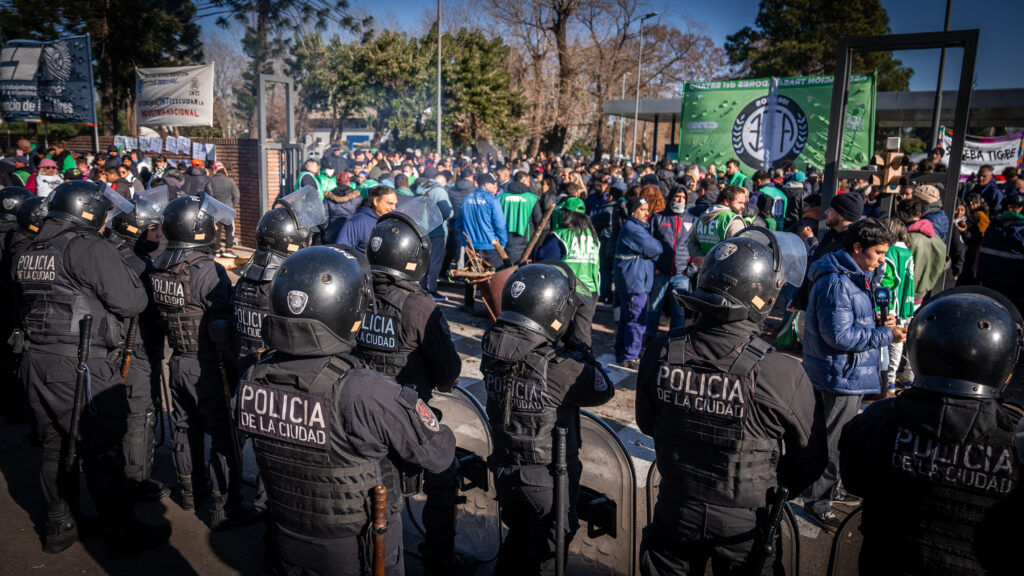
column 427, row 417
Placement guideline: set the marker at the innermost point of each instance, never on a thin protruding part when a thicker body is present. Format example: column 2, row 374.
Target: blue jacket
column 841, row 343
column 673, row 231
column 482, row 218
column 993, row 196
column 635, row 253
column 940, row 222
column 357, row 229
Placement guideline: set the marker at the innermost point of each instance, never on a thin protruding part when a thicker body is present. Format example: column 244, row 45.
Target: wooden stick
column 470, row 274
column 537, row 234
column 380, row 525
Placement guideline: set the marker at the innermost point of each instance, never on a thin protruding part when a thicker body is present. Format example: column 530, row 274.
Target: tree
column 799, row 37
column 229, row 62
column 269, row 25
column 125, row 34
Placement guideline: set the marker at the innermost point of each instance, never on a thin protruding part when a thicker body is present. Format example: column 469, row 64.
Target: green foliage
column 799, row 37
column 392, row 81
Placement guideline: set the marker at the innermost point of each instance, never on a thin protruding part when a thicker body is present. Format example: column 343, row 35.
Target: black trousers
column 229, row 236
column 200, row 408
column 686, row 534
column 294, row 554
column 527, row 509
column 50, row 382
column 141, row 423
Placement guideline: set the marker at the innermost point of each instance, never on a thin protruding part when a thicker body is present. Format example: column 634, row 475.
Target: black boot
column 232, row 515
column 61, row 533
column 150, row 490
column 192, row 494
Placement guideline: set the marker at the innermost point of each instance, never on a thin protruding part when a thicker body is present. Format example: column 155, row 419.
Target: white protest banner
column 171, row 146
column 198, row 151
column 181, row 96
column 184, row 145
column 999, row 152
column 132, row 143
column 155, row 144
column 211, row 152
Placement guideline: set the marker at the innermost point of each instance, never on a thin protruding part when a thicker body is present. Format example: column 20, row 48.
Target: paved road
column 194, row 549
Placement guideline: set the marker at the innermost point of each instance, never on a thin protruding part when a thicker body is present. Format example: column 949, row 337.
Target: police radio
column 883, row 297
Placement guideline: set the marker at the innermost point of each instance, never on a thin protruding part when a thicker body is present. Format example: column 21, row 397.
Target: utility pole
column 439, row 79
column 639, row 67
column 622, row 120
column 937, row 113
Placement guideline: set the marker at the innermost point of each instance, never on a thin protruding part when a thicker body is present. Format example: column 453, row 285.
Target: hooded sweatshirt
column 929, row 257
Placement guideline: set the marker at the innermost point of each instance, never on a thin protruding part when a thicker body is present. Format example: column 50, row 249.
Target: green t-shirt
column 711, row 232
column 518, row 208
column 581, row 256
column 738, row 179
column 326, row 183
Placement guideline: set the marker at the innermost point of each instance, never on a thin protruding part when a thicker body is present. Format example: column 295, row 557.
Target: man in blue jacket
column 842, row 346
column 635, row 253
column 483, row 221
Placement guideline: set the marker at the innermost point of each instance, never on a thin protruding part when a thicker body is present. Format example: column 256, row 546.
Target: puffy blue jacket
column 357, row 229
column 940, row 222
column 635, row 253
column 482, row 218
column 673, row 231
column 841, row 343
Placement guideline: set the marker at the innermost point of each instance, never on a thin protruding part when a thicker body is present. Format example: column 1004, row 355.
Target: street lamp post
column 639, row 66
column 439, row 79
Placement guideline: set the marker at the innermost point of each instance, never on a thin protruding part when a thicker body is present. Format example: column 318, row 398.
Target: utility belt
column 71, row 350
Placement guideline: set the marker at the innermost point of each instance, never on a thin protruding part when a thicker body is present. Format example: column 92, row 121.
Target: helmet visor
column 157, row 197
column 421, row 211
column 217, row 210
column 791, row 250
column 119, row 203
column 305, row 206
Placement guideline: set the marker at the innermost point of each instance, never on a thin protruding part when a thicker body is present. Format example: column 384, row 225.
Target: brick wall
column 240, row 158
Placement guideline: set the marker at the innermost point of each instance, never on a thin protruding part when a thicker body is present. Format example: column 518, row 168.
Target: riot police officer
column 280, row 232
column 67, row 273
column 193, row 295
column 404, row 335
column 731, row 419
column 11, row 395
column 125, row 230
column 936, row 466
column 534, row 384
column 345, row 429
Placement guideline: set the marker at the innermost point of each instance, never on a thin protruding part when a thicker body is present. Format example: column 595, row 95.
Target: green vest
column 738, row 179
column 712, row 232
column 303, row 174
column 518, row 208
column 582, row 257
column 326, row 183
column 779, row 203
column 24, row 175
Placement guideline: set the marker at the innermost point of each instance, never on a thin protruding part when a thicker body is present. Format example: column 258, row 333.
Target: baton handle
column 81, row 376
column 380, row 527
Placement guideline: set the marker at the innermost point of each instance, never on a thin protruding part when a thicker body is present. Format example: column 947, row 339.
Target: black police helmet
column 327, row 285
column 738, row 280
column 81, row 202
column 11, row 199
column 31, row 214
column 540, row 298
column 132, row 225
column 965, row 343
column 278, row 232
column 398, row 247
column 186, row 225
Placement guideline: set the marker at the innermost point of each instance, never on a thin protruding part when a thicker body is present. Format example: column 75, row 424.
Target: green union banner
column 765, row 121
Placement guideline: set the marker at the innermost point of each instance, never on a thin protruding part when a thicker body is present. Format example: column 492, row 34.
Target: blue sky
column 1001, row 23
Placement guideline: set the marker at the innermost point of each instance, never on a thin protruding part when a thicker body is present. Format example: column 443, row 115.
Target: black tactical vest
column 521, row 411
column 54, row 303
column 703, row 447
column 381, row 341
column 180, row 311
column 952, row 493
column 252, row 303
column 312, row 485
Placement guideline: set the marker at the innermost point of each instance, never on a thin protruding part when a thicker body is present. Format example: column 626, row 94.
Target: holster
column 18, row 342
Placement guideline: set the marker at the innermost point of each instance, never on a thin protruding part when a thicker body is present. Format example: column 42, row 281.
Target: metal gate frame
column 966, row 39
column 261, row 159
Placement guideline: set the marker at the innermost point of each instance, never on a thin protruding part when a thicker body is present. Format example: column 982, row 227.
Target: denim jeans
column 663, row 287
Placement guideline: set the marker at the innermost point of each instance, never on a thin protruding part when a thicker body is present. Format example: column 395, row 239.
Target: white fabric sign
column 180, row 96
column 1000, row 152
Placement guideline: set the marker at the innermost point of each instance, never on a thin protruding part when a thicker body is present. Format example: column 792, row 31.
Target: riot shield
column 606, row 505
column 845, row 557
column 789, row 534
column 478, row 522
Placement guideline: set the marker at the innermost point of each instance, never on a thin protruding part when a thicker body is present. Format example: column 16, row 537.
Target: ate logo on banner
column 789, row 137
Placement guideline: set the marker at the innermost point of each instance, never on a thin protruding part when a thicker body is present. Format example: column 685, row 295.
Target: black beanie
column 849, row 205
